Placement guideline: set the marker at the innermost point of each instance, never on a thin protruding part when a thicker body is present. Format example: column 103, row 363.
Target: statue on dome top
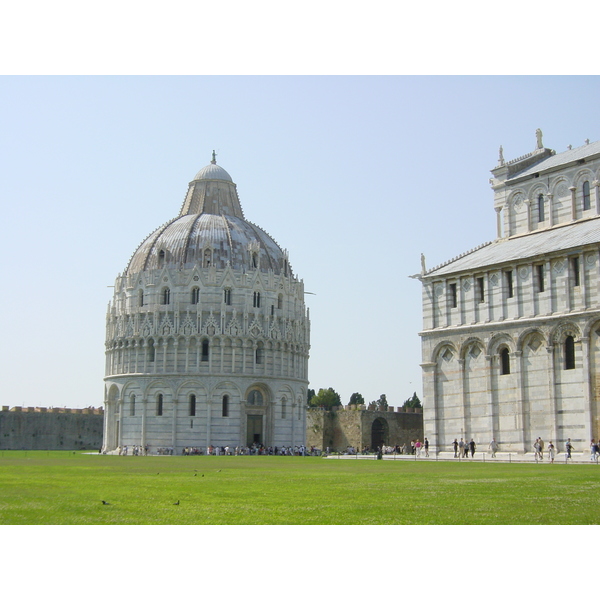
column 538, row 137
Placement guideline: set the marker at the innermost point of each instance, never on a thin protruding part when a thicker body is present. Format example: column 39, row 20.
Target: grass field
column 64, row 488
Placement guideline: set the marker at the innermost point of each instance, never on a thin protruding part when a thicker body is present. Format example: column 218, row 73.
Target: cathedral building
column 207, row 335
column 511, row 333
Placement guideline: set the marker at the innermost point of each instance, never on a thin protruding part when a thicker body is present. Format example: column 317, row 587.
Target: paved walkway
column 504, row 457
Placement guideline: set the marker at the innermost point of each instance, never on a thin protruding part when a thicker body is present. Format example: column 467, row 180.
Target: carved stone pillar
column 120, row 406
column 573, row 191
column 490, row 394
column 430, row 406
column 174, row 429
column 462, row 395
column 208, row 420
column 144, row 418
column 550, row 209
column 552, row 394
column 498, row 221
column 587, row 388
column 520, row 394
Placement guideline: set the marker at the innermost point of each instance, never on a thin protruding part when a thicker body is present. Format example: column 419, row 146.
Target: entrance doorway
column 254, row 430
column 379, row 433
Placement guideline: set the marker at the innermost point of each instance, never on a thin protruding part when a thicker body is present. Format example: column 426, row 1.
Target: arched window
column 225, row 406
column 132, row 405
column 452, row 295
column 165, row 297
column 569, row 352
column 227, row 296
column 141, row 298
column 586, row 195
column 283, row 405
column 256, row 301
column 204, row 356
column 255, row 260
column 280, row 301
column 207, row 258
column 151, row 351
column 575, row 271
column 255, row 398
column 195, row 295
column 161, row 259
column 541, row 215
column 159, row 405
column 504, row 362
column 192, row 405
column 259, row 355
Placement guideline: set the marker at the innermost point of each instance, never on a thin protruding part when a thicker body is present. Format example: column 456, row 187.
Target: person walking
column 461, row 448
column 493, row 447
column 536, row 447
column 541, row 443
column 551, row 452
column 426, row 446
column 455, row 446
column 594, row 451
column 568, row 448
column 418, row 448
column 472, row 447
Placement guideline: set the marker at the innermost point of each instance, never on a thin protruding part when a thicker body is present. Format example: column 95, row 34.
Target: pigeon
column 176, row 503
column 105, row 502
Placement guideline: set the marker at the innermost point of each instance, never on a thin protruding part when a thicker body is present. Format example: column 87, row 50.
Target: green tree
column 326, row 399
column 356, row 398
column 412, row 402
column 309, row 394
column 380, row 404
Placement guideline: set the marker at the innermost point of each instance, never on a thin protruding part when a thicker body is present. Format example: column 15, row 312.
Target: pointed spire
column 214, row 158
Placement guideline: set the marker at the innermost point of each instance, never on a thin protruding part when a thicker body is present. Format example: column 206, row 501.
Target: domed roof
column 210, row 231
column 213, row 171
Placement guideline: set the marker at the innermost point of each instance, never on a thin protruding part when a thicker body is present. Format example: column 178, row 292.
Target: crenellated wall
column 354, row 426
column 51, row 428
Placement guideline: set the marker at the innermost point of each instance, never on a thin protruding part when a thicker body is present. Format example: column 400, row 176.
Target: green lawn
column 67, row 488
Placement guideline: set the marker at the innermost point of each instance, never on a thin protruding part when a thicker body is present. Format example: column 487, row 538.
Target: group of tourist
column 135, row 450
column 462, row 448
column 538, row 447
column 254, row 449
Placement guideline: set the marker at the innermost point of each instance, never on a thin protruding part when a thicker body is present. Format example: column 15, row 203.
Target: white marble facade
column 511, row 334
column 207, row 336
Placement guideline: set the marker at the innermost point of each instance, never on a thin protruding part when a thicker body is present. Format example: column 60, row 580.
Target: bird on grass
column 105, row 502
column 176, row 503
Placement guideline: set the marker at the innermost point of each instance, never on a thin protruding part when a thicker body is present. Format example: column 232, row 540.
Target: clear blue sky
column 355, row 176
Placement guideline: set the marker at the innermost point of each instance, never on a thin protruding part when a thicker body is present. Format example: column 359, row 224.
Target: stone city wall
column 352, row 426
column 38, row 428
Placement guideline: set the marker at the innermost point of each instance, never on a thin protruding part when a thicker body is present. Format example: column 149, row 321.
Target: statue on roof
column 214, row 158
column 423, row 267
column 501, row 156
column 538, row 137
